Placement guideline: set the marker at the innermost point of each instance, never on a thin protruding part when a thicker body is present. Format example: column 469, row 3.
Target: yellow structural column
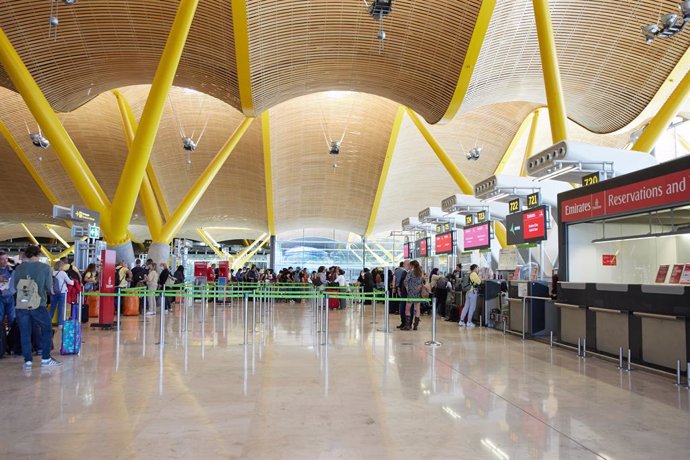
column 552, row 76
column 471, row 56
column 268, row 172
column 447, row 161
column 241, row 35
column 529, row 149
column 659, row 124
column 140, row 151
column 247, row 257
column 205, row 237
column 70, row 158
column 392, row 141
column 184, row 209
column 148, row 198
column 510, row 151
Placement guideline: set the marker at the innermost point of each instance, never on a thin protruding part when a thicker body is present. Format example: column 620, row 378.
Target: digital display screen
column 406, row 251
column 534, row 224
column 423, row 246
column 445, row 243
column 514, row 227
column 476, row 236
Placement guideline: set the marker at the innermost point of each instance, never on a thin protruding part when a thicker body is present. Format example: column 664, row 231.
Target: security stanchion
column 246, row 318
column 325, row 342
column 373, row 310
column 433, row 342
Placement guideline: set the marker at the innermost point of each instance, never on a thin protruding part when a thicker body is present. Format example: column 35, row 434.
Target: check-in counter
column 651, row 320
column 541, row 317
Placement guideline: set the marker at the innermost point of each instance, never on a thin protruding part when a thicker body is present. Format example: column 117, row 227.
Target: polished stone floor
column 204, row 395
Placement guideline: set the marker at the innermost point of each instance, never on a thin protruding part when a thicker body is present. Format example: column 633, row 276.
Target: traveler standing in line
column 90, row 278
column 6, row 292
column 340, row 280
column 123, row 275
column 151, row 285
column 33, row 282
column 413, row 286
column 163, row 281
column 471, row 298
column 400, row 291
column 59, row 288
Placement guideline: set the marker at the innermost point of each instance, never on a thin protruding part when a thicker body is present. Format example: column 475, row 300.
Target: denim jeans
column 58, row 300
column 7, row 308
column 27, row 319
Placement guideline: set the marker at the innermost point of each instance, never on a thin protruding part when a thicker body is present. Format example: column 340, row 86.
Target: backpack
column 465, row 283
column 118, row 276
column 57, row 287
column 28, row 297
column 317, row 281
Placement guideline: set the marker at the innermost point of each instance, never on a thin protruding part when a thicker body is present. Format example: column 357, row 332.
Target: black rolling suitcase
column 85, row 313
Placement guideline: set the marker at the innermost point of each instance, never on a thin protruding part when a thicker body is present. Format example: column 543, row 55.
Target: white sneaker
column 470, row 324
column 50, row 362
column 461, row 324
column 28, row 365
column 150, row 313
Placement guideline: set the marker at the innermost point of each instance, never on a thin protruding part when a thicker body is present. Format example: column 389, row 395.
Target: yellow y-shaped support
column 206, row 238
column 240, row 255
column 268, row 172
column 148, row 199
column 549, row 66
column 248, row 257
column 140, row 151
column 35, row 241
column 241, row 32
column 656, row 128
column 452, row 168
column 510, row 151
column 184, row 209
column 529, row 149
column 393, row 139
column 70, row 158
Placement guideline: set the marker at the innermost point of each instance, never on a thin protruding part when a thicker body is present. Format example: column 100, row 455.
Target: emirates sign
column 659, row 191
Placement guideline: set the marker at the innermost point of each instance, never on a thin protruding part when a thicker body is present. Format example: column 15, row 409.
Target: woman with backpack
column 59, row 295
column 413, row 284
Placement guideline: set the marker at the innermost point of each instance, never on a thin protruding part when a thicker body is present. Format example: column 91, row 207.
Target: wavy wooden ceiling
column 609, row 74
column 307, row 191
column 101, row 45
column 304, row 46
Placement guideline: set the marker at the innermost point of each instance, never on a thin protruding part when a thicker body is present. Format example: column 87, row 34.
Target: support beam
column 268, row 172
column 57, row 236
column 27, row 164
column 148, row 199
column 157, row 190
column 248, row 257
column 376, row 256
column 552, row 75
column 184, row 209
column 445, row 159
column 529, row 149
column 511, row 150
column 70, row 158
column 211, row 244
column 501, row 234
column 65, row 253
column 659, row 124
column 392, row 141
column 684, row 142
column 240, row 255
column 33, row 239
column 471, row 56
column 241, row 35
column 140, row 151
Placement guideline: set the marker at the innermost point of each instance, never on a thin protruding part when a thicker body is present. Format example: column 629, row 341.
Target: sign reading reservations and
column 406, row 251
column 476, row 237
column 664, row 190
column 444, row 243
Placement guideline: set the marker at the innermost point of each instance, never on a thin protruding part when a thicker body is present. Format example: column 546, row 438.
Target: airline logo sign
column 651, row 193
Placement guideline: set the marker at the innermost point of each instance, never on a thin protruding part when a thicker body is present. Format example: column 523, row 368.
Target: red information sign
column 609, row 260
column 534, row 224
column 200, row 269
column 658, row 191
column 106, row 304
column 423, row 247
column 223, row 269
column 444, row 243
column 675, row 274
column 476, row 237
column 685, row 277
column 661, row 274
column 406, row 251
